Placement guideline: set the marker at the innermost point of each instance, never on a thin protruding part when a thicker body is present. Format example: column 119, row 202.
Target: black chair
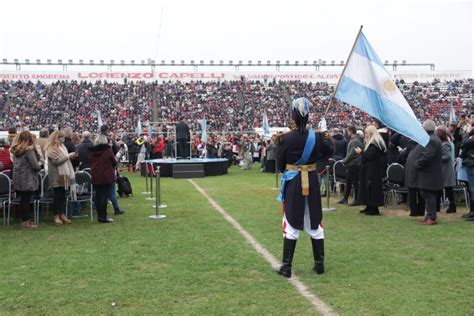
column 8, row 172
column 331, row 173
column 460, row 186
column 85, row 191
column 5, row 196
column 45, row 197
column 396, row 181
column 34, row 197
column 88, row 170
column 339, row 174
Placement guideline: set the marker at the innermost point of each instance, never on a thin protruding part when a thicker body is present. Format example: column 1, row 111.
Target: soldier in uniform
column 297, row 153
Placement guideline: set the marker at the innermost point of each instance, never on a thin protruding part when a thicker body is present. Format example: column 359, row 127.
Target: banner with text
column 315, row 76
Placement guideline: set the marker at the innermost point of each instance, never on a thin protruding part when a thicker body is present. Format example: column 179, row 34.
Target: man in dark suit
column 297, row 154
column 83, row 150
column 70, row 145
column 182, row 139
column 427, row 169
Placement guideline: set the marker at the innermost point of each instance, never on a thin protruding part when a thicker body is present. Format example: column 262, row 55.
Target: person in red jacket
column 158, row 148
column 5, row 159
column 103, row 162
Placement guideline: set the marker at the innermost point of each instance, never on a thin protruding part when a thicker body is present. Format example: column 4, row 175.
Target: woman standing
column 467, row 156
column 447, row 169
column 371, row 171
column 103, row 164
column 60, row 174
column 270, row 152
column 25, row 174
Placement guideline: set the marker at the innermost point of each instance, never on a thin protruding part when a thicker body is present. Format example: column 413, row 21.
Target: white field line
column 320, row 306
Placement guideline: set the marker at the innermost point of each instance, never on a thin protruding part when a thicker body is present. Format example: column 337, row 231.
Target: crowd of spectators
column 226, row 105
column 75, row 104
column 64, row 110
column 55, row 159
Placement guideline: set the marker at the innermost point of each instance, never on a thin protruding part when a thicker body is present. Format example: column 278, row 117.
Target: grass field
column 194, row 262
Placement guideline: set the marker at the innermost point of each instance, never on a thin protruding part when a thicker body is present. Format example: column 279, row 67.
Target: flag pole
column 342, row 74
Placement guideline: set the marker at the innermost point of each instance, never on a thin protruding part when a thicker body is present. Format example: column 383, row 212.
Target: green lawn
column 194, row 262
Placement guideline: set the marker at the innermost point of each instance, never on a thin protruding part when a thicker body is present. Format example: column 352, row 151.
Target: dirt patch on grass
column 404, row 212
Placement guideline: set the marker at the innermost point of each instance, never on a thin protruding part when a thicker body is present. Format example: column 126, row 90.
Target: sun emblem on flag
column 388, row 85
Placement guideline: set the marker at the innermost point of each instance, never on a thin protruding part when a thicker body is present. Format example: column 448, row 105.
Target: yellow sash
column 304, row 169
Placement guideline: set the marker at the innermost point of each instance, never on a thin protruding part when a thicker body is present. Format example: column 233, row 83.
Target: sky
column 421, row 31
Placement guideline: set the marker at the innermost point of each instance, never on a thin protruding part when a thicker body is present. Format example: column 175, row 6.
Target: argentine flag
column 139, row 127
column 99, row 119
column 452, row 113
column 203, row 124
column 366, row 85
column 266, row 126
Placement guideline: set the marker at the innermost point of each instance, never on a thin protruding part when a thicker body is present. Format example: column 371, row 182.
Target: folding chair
column 396, row 181
column 339, row 173
column 461, row 186
column 17, row 200
column 331, row 173
column 8, row 172
column 5, row 196
column 85, row 192
column 45, row 197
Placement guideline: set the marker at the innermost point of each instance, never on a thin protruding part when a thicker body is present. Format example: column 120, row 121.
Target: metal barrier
column 276, row 177
column 158, row 204
column 152, row 172
column 328, row 193
column 146, row 180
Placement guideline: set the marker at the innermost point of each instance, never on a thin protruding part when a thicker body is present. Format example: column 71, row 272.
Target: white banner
column 186, row 76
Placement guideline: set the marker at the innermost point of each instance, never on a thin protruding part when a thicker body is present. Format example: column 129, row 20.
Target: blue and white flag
column 148, row 127
column 323, row 125
column 99, row 119
column 139, row 127
column 266, row 126
column 203, row 124
column 366, row 85
column 452, row 113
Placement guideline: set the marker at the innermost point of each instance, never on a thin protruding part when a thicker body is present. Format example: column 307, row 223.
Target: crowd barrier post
column 152, row 173
column 158, row 204
column 276, row 177
column 328, row 208
column 146, row 179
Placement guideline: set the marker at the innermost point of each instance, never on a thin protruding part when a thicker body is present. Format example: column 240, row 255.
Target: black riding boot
column 289, row 246
column 318, row 253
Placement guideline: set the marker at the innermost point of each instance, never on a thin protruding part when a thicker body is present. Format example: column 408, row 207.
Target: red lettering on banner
column 50, row 76
column 114, row 75
column 206, row 76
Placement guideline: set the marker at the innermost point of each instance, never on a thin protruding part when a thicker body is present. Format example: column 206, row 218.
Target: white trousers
column 289, row 232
